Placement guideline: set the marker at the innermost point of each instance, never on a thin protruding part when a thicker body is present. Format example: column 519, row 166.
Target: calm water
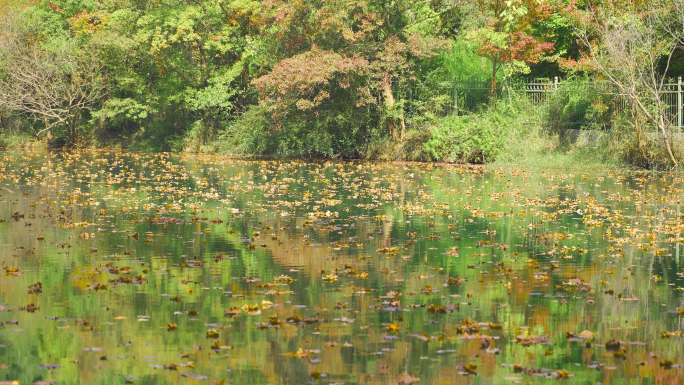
column 157, row 269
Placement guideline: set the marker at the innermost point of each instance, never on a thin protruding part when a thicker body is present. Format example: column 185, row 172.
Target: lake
column 131, row 268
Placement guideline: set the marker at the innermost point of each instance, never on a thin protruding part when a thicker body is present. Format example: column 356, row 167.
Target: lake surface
column 121, row 268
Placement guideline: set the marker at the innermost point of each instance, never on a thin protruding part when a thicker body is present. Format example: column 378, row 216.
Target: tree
column 506, row 37
column 347, row 57
column 52, row 85
column 168, row 65
column 627, row 44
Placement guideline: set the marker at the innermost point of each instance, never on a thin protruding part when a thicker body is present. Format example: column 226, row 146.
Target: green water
column 158, row 269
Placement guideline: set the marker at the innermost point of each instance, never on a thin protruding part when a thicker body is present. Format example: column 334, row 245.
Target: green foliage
column 217, row 97
column 248, row 135
column 559, row 28
column 119, row 118
column 625, row 145
column 325, row 79
column 168, row 65
column 510, row 130
column 579, row 104
column 196, row 139
column 474, row 138
column 14, row 141
column 301, row 136
column 344, row 70
column 460, row 80
column 411, row 147
column 462, row 63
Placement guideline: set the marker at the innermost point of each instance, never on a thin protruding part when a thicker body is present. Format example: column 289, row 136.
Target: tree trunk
column 390, row 102
column 667, row 138
column 493, row 85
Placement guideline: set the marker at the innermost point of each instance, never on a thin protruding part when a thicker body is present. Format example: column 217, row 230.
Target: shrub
column 118, row 119
column 482, row 136
column 460, row 80
column 12, row 141
column 332, row 134
column 198, row 138
column 464, row 139
column 411, row 147
column 248, row 135
column 636, row 147
column 578, row 104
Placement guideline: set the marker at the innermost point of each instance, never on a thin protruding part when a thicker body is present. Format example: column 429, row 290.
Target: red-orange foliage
column 521, row 47
column 55, row 7
column 307, row 79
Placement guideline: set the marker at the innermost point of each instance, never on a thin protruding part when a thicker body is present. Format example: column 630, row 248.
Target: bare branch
column 628, row 49
column 52, row 87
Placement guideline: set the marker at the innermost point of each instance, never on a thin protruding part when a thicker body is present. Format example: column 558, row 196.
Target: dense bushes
column 297, row 136
column 410, row 80
column 470, row 138
column 276, row 78
column 508, row 129
column 580, row 103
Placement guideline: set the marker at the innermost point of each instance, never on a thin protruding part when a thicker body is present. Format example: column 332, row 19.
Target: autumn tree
column 506, row 37
column 346, row 55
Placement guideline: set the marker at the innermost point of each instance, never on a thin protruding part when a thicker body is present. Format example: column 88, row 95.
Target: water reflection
column 157, row 269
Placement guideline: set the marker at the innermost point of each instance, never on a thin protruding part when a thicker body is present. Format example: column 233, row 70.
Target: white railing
column 539, row 90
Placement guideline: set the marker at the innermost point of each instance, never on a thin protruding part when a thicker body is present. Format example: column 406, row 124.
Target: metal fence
column 462, row 97
column 671, row 95
column 539, row 90
column 467, row 96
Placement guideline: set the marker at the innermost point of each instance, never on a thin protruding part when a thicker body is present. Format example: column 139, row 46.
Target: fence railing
column 469, row 95
column 671, row 95
column 539, row 90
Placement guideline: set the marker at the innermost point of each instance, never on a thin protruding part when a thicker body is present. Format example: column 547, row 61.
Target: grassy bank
column 573, row 128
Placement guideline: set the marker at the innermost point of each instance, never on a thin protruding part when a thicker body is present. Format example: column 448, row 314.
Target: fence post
column 455, row 94
column 555, row 83
column 680, row 118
